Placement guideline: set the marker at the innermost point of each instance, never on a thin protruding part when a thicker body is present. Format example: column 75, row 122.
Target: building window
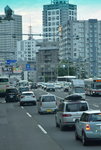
column 57, row 12
column 49, row 12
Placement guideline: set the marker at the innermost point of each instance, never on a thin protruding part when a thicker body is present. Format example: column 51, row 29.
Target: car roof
column 11, row 87
column 92, row 111
column 48, row 95
column 28, row 92
column 79, row 101
column 74, row 97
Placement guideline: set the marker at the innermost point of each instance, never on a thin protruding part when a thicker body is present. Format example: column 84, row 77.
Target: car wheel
column 21, row 104
column 61, row 127
column 84, row 139
column 57, row 125
column 76, row 135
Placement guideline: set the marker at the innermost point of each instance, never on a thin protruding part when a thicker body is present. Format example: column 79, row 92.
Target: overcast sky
column 31, row 11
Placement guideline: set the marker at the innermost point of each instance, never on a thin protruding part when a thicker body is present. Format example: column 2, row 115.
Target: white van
column 47, row 104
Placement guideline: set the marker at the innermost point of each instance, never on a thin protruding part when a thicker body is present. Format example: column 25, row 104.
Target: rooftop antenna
column 30, row 31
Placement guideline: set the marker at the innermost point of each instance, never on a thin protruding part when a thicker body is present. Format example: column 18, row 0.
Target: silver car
column 27, row 97
column 68, row 111
column 47, row 104
column 88, row 127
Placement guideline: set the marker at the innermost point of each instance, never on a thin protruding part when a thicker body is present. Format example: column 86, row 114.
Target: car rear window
column 95, row 117
column 24, row 89
column 11, row 91
column 48, row 99
column 76, row 107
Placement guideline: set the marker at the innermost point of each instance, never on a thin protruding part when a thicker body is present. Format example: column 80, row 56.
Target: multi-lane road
column 22, row 128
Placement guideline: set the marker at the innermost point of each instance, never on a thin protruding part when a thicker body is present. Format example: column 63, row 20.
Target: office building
column 10, row 33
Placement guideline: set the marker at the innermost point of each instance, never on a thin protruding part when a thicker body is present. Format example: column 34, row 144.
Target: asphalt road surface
column 22, row 128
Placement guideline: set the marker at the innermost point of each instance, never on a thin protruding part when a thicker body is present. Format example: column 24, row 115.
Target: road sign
column 28, row 67
column 8, row 62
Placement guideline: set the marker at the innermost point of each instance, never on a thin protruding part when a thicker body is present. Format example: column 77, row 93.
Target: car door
column 80, row 125
column 39, row 103
column 59, row 112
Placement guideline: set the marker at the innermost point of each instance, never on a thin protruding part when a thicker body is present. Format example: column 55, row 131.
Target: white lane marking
column 22, row 107
column 95, row 105
column 42, row 129
column 28, row 114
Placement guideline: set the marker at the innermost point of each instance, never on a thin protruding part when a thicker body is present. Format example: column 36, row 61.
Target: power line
column 33, row 34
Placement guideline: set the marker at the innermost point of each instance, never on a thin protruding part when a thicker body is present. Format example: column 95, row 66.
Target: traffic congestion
column 64, row 116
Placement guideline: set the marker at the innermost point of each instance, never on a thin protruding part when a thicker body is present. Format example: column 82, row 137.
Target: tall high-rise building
column 10, row 33
column 55, row 15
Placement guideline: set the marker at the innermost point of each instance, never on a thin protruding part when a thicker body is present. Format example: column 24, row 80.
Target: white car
column 27, row 98
column 47, row 104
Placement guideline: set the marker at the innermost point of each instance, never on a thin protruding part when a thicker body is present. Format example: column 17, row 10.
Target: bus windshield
column 4, row 80
column 79, row 90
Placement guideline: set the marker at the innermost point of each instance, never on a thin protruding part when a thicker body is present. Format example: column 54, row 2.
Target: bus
column 93, row 86
column 4, row 83
column 66, row 78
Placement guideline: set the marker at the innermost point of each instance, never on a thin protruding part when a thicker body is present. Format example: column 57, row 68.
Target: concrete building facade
column 10, row 33
column 26, row 56
column 81, row 43
column 55, row 15
column 47, row 62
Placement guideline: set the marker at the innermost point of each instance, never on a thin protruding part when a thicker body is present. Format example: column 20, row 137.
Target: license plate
column 49, row 110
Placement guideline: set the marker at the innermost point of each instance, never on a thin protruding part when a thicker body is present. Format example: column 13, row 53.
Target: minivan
column 12, row 95
column 68, row 111
column 47, row 104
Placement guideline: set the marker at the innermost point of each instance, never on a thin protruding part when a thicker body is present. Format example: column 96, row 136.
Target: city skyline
column 31, row 11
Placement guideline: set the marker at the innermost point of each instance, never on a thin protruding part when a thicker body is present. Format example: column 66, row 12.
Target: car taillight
column 66, row 115
column 87, row 127
column 7, row 85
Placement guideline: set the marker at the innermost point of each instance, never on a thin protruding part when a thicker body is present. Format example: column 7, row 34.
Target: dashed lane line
column 42, row 129
column 28, row 114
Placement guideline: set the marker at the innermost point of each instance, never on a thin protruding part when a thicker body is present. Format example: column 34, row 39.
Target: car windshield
column 76, row 107
column 48, row 98
column 50, row 85
column 95, row 117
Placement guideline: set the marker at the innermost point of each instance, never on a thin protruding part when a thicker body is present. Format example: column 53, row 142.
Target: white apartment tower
column 55, row 15
column 26, row 50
